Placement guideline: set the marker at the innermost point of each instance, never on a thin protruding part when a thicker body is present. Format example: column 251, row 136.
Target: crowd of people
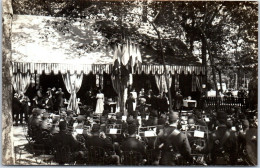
column 150, row 133
column 52, row 100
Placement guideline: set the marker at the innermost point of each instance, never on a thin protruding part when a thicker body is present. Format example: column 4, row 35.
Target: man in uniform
column 133, row 144
column 173, row 143
column 98, row 139
column 223, row 142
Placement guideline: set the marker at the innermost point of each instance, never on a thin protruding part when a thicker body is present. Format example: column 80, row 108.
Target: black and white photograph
column 129, row 83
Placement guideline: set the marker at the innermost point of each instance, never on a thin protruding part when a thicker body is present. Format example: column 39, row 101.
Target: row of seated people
column 171, row 144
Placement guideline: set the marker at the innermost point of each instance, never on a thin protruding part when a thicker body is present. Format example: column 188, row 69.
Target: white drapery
column 161, row 82
column 73, row 83
column 21, row 82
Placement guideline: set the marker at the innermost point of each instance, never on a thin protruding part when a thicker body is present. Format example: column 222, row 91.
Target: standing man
column 131, row 143
column 16, row 108
column 59, row 99
column 25, row 108
column 173, row 143
column 130, row 105
column 178, row 100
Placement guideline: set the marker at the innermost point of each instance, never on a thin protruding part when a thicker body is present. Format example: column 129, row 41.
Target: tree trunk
column 220, row 80
column 212, row 62
column 235, row 81
column 164, row 66
column 7, row 121
column 204, row 59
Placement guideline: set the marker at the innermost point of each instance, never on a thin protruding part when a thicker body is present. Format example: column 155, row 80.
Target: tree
column 7, row 122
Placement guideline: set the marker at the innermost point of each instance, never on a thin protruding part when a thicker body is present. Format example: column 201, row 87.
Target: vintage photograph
column 129, row 83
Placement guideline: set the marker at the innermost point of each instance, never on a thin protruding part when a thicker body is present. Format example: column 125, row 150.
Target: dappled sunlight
column 45, row 39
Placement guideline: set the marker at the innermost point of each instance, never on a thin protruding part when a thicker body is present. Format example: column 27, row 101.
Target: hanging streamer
column 97, row 80
column 176, row 78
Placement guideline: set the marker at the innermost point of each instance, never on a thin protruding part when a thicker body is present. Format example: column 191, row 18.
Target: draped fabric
column 21, row 82
column 161, row 82
column 97, row 80
column 101, row 81
column 177, row 82
column 198, row 82
column 126, row 54
column 127, row 60
column 193, row 83
column 73, row 83
column 119, row 88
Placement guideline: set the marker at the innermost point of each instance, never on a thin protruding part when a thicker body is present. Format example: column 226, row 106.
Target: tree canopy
column 220, row 34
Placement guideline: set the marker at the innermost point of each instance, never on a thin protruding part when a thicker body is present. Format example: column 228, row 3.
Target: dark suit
column 129, row 106
column 35, row 127
column 16, row 108
column 163, row 105
column 59, row 100
column 25, row 109
column 64, row 139
column 174, row 142
column 64, row 143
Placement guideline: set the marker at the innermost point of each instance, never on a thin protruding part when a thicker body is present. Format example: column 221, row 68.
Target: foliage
column 230, row 28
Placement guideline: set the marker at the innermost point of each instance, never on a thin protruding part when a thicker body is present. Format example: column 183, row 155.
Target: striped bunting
column 56, row 68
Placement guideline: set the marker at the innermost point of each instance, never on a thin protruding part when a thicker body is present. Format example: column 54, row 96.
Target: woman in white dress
column 100, row 103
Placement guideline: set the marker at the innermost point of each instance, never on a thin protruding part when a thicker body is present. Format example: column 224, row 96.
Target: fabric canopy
column 73, row 83
column 161, row 83
column 21, row 82
column 56, row 68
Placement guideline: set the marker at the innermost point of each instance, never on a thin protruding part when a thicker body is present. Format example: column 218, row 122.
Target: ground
column 23, row 156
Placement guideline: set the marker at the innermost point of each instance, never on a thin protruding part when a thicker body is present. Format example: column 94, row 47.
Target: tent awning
column 56, row 68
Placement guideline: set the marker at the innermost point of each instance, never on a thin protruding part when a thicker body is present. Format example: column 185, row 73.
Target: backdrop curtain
column 161, row 82
column 198, row 82
column 193, row 83
column 73, row 83
column 21, row 82
column 120, row 90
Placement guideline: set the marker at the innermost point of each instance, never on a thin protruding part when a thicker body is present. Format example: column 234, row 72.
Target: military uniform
column 134, row 145
column 223, row 146
column 96, row 141
column 175, row 144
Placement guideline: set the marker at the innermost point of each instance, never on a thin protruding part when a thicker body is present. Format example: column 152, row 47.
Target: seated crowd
column 168, row 139
column 150, row 133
